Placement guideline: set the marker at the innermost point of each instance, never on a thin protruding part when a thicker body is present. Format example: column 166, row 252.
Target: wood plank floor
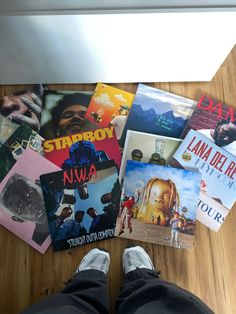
column 208, row 270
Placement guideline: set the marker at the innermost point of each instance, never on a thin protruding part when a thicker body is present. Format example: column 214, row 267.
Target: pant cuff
column 144, row 273
column 90, row 274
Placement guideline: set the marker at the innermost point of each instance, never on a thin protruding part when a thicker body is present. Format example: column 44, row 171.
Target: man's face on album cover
column 160, row 195
column 72, row 120
column 225, row 134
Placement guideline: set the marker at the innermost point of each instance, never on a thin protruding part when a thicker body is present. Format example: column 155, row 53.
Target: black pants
column 142, row 293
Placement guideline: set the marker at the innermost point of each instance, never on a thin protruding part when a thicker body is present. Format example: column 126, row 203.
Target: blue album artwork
column 82, row 204
column 158, row 112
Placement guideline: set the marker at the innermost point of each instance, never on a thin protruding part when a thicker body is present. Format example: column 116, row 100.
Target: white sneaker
column 95, row 259
column 136, row 257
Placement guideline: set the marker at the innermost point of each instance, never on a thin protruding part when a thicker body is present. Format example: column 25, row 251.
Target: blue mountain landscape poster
column 158, row 112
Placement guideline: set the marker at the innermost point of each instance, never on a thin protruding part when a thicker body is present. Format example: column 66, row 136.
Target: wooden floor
column 208, row 270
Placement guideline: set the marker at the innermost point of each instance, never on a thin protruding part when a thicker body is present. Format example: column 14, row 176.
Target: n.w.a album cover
column 109, row 106
column 15, row 145
column 22, row 209
column 145, row 147
column 83, row 148
column 81, row 203
column 158, row 112
column 216, row 121
column 218, row 169
column 158, row 204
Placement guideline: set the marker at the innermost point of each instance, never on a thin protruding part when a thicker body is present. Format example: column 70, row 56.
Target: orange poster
column 109, row 106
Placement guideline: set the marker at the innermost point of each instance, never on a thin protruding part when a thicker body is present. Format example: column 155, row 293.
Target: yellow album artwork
column 109, row 106
column 159, row 204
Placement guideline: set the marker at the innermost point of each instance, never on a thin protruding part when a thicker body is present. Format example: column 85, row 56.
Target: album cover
column 158, row 112
column 81, row 203
column 216, row 121
column 145, row 147
column 7, row 128
column 218, row 169
column 158, row 204
column 22, row 138
column 24, row 106
column 110, row 106
column 63, row 113
column 87, row 147
column 22, row 209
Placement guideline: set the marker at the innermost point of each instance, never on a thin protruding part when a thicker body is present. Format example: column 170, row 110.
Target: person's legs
column 129, row 223
column 177, row 238
column 85, row 293
column 89, row 282
column 172, row 237
column 122, row 221
column 144, row 292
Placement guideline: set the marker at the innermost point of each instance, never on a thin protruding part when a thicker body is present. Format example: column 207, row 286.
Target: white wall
column 144, row 47
column 61, row 6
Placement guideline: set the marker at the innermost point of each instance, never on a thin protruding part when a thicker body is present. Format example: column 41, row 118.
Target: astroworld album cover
column 81, row 203
column 158, row 204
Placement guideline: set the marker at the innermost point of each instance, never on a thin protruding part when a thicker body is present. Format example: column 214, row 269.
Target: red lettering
column 207, row 154
column 92, row 171
column 202, row 149
column 80, row 174
column 67, row 178
column 224, row 161
column 203, row 103
column 189, row 145
column 215, row 159
column 230, row 171
column 218, row 108
column 230, row 114
column 233, row 173
column 206, row 103
column 218, row 161
column 196, row 147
